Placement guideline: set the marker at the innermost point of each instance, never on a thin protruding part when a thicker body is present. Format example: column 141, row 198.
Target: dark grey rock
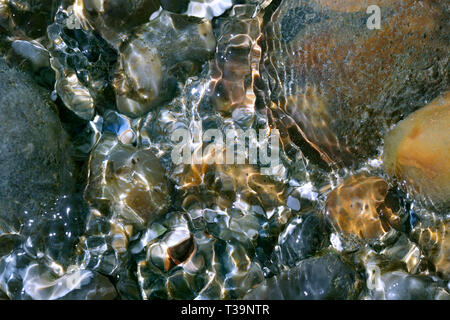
column 301, row 239
column 178, row 6
column 8, row 243
column 35, row 168
column 325, row 277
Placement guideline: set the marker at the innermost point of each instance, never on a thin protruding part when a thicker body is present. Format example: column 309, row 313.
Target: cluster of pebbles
column 93, row 207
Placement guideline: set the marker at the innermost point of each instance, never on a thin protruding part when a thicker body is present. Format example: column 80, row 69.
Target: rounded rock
column 340, row 85
column 417, row 150
column 326, row 277
column 356, row 207
column 35, row 166
column 130, row 180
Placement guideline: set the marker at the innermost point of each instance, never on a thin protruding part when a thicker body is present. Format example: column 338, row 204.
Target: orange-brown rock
column 321, row 52
column 417, row 150
column 349, row 6
column 356, row 208
column 222, row 184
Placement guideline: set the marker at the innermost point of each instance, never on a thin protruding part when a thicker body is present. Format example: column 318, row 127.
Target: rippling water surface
column 344, row 196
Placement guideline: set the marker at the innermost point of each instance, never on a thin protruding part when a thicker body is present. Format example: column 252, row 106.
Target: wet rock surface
column 303, row 237
column 326, row 277
column 33, row 150
column 342, row 85
column 356, row 208
column 169, row 47
column 417, row 150
column 129, row 183
column 349, row 201
column 401, row 286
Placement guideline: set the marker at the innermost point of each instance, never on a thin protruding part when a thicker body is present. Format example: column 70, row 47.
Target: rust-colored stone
column 356, row 207
column 322, row 53
column 417, row 150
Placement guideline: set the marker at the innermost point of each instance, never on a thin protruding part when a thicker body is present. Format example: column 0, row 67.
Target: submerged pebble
column 76, row 285
column 338, row 86
column 33, row 150
column 182, row 261
column 302, row 238
column 114, row 18
column 387, row 279
column 126, row 182
column 326, row 277
column 237, row 60
column 163, row 51
column 417, row 150
column 82, row 62
column 434, row 239
column 401, row 286
column 32, row 51
column 356, row 208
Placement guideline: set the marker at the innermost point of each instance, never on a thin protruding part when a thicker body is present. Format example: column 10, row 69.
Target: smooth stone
column 82, row 62
column 161, row 54
column 114, row 18
column 40, row 284
column 326, row 277
column 35, row 166
column 75, row 96
column 399, row 285
column 236, row 66
column 98, row 288
column 126, row 181
column 417, row 150
column 302, row 238
column 339, row 86
column 176, row 248
column 32, row 51
column 356, row 208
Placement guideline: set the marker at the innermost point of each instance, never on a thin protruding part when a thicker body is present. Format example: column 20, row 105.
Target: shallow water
column 303, row 208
